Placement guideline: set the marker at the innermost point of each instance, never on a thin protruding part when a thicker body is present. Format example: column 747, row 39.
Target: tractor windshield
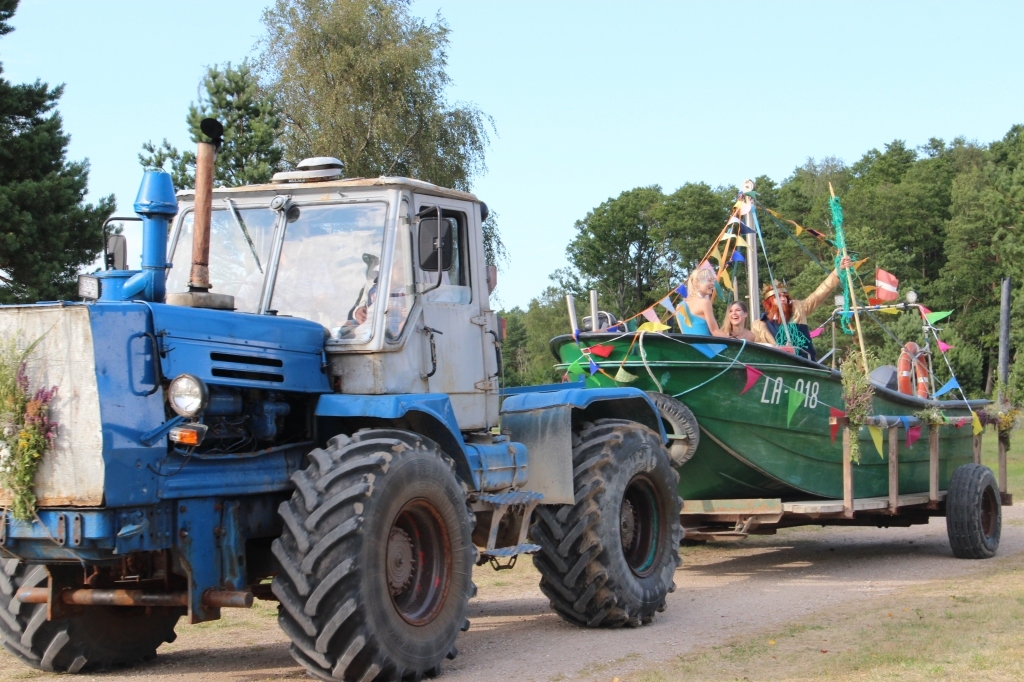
column 327, row 273
column 240, row 245
column 330, row 266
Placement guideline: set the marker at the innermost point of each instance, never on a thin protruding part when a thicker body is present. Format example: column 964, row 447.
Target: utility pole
column 1004, row 338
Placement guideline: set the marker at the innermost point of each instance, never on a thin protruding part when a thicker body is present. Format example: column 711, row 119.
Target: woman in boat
column 786, row 319
column 700, row 316
column 735, row 325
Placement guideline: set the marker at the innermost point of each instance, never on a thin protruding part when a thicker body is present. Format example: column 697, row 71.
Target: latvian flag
column 885, row 286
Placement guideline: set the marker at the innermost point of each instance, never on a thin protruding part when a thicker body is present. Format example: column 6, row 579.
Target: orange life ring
column 912, row 362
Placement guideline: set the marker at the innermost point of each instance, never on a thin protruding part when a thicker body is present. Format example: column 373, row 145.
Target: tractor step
column 505, row 552
column 510, row 498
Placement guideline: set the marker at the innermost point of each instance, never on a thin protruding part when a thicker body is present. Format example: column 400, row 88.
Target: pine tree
column 252, row 123
column 48, row 231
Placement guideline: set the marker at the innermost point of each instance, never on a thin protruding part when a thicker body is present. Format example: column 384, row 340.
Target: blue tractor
column 297, row 399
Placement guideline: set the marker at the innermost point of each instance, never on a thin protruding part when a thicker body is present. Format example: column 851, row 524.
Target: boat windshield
column 327, row 272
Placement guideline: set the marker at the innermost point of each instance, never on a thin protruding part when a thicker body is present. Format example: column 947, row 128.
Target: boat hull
column 750, row 445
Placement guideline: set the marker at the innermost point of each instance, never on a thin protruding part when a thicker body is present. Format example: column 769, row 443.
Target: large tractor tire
column 609, row 559
column 377, row 558
column 100, row 638
column 974, row 515
column 680, row 425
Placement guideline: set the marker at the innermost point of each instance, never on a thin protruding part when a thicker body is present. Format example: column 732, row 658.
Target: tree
column 49, row 231
column 252, row 124
column 364, row 81
column 616, row 251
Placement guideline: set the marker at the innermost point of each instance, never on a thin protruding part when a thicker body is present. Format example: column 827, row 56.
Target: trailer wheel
column 679, row 421
column 608, row 560
column 376, row 557
column 974, row 515
column 101, row 638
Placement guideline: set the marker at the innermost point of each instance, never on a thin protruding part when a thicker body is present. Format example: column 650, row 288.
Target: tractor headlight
column 188, row 395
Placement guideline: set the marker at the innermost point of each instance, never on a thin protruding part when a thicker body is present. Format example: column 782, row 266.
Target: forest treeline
column 945, row 218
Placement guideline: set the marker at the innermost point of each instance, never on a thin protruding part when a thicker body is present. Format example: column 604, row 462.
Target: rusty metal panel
column 547, row 435
column 73, row 473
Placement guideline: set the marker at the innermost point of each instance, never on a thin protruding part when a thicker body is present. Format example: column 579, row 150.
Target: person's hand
column 845, row 263
column 359, row 314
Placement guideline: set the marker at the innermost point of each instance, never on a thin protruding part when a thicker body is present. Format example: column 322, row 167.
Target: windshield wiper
column 241, row 226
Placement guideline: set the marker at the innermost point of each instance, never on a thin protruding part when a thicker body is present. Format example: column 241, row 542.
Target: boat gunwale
column 794, row 362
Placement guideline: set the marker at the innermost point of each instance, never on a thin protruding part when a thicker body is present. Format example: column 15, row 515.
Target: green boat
column 748, row 446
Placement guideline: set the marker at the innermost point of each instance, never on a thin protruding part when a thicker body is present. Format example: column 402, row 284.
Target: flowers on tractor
column 27, row 433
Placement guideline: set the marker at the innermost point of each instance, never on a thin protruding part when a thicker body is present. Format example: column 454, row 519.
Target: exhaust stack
column 198, row 294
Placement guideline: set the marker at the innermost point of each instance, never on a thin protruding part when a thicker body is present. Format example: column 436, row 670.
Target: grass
column 1014, row 459
column 964, row 629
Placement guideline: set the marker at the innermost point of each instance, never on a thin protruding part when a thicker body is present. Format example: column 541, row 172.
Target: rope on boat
column 643, row 356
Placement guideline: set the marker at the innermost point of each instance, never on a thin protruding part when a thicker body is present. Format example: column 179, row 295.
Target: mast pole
column 853, row 301
column 753, row 290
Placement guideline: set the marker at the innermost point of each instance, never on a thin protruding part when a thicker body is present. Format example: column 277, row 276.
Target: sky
column 589, row 99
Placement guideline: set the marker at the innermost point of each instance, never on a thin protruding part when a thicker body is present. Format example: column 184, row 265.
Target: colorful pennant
column 753, row 375
column 815, row 333
column 624, row 377
column 834, row 427
column 601, row 350
column 876, row 436
column 576, row 367
column 710, row 349
column 796, row 399
column 651, row 316
column 947, row 387
column 592, row 367
column 935, row 317
column 943, row 346
column 976, row 426
column 667, row 305
column 913, row 433
column 652, row 327
column 737, row 257
column 681, row 290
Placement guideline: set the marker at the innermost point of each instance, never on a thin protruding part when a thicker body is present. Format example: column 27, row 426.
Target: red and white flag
column 886, row 286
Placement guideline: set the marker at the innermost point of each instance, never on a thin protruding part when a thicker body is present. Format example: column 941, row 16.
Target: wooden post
column 977, row 449
column 894, row 469
column 1004, row 440
column 933, row 465
column 847, row 475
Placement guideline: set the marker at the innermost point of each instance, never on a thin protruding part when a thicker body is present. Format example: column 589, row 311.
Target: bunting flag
column 834, row 428
column 815, row 333
column 947, row 387
column 601, row 350
column 752, row 376
column 576, row 367
column 935, row 317
column 716, row 254
column 799, row 228
column 862, row 261
column 624, row 377
column 796, row 399
column 652, row 327
column 906, row 423
column 651, row 316
column 976, row 424
column 868, row 288
column 943, row 346
column 913, row 433
column 592, row 367
column 924, row 311
column 726, row 280
column 710, row 349
column 576, row 335
column 667, row 305
column 890, row 311
column 737, row 257
column 886, row 285
column 876, row 435
column 681, row 290
column 719, row 290
column 734, row 219
column 613, row 329
column 875, row 301
column 744, row 230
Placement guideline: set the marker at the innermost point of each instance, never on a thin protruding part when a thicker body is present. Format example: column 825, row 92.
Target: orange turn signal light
column 190, row 434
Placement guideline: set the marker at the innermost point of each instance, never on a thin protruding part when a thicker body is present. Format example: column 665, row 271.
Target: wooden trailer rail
column 892, row 425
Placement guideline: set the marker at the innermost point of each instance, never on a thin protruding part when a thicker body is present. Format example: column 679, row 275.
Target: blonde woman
column 700, row 317
column 735, row 325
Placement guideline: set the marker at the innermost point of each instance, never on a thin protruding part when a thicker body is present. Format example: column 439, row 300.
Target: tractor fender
column 544, row 420
column 429, row 414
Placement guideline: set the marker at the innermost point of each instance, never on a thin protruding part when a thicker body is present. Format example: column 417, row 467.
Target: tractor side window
column 454, row 257
column 400, row 298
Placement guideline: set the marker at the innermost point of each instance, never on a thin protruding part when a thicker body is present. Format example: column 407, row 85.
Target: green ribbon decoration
column 840, row 244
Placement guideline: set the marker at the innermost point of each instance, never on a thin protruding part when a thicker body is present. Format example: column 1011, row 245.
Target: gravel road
column 723, row 590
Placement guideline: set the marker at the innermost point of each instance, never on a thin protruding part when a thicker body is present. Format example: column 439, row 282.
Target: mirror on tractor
column 116, row 252
column 428, row 242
